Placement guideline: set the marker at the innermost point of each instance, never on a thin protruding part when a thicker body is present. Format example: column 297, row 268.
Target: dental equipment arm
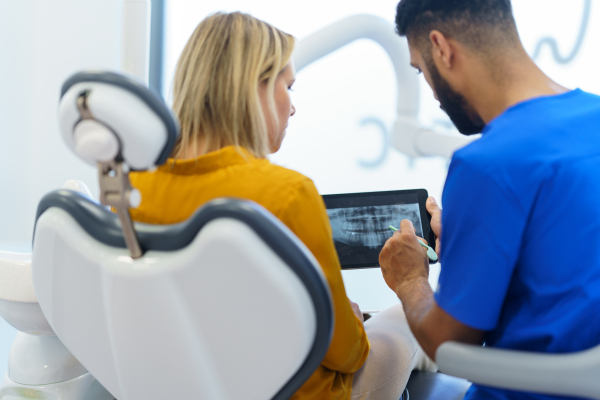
column 409, row 136
column 341, row 33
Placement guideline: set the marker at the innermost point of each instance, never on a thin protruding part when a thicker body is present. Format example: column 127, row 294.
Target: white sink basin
column 18, row 303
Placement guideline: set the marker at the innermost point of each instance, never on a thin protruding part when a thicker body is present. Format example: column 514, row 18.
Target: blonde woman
column 231, row 94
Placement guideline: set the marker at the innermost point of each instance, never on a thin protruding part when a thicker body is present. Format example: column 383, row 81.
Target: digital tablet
column 360, row 222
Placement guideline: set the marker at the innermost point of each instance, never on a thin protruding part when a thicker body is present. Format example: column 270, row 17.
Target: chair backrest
column 227, row 305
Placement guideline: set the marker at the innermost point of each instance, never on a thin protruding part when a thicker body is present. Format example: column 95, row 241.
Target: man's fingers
column 432, row 206
column 406, row 226
column 398, row 240
column 436, row 216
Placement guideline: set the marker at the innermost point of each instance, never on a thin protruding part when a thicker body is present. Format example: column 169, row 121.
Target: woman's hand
column 357, row 311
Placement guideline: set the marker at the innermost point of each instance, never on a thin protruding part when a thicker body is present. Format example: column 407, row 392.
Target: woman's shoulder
column 287, row 188
column 282, row 175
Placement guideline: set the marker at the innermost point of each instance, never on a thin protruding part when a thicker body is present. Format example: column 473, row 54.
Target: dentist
column 520, row 233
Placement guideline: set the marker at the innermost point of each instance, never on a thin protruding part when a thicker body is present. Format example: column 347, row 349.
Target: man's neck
column 519, row 80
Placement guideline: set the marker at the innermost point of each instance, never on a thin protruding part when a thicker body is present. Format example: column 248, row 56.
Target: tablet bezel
column 425, row 216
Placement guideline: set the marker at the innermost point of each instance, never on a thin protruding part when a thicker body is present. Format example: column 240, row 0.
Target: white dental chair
column 226, row 305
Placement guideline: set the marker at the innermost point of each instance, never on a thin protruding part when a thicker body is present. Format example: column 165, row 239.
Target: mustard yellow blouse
column 175, row 190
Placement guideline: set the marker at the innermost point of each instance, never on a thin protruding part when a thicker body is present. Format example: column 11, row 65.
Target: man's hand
column 405, row 268
column 357, row 311
column 436, row 223
column 402, row 258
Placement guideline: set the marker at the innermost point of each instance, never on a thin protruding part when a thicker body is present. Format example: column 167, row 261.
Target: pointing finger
column 406, row 226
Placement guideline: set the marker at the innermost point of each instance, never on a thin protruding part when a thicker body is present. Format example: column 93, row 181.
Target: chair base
column 84, row 387
column 435, row 386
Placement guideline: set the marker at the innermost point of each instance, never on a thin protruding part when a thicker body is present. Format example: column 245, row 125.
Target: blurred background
column 345, row 102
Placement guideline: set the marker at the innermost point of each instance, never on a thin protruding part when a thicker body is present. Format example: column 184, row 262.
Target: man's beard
column 462, row 114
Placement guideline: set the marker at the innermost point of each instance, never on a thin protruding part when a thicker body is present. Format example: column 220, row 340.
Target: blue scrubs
column 521, row 230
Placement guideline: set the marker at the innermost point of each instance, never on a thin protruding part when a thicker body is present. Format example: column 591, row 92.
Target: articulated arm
column 341, row 33
column 409, row 136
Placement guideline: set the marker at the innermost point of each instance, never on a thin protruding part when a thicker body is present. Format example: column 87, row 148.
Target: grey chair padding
column 573, row 374
column 435, row 386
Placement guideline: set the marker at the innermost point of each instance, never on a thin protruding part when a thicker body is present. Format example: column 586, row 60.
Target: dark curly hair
column 478, row 24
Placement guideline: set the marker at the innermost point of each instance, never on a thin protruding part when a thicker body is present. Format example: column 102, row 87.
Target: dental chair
column 228, row 304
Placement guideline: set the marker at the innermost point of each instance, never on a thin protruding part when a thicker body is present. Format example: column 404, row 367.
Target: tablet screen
column 360, row 222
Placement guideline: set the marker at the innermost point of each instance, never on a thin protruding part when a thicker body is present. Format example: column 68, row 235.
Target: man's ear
column 441, row 50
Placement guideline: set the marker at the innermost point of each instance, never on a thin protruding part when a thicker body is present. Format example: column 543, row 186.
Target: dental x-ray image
column 369, row 226
column 360, row 222
column 359, row 233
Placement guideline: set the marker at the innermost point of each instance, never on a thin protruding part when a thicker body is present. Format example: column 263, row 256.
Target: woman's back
column 176, row 190
column 187, row 184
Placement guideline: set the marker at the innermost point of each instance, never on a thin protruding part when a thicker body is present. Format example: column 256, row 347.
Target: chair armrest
column 573, row 374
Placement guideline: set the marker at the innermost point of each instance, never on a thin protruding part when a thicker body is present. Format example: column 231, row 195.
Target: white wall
column 42, row 42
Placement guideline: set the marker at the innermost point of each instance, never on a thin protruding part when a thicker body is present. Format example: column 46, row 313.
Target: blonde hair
column 215, row 90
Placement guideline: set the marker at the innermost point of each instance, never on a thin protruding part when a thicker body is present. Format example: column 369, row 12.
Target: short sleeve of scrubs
column 482, row 226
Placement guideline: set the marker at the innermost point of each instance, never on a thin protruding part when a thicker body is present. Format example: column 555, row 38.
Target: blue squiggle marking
column 550, row 41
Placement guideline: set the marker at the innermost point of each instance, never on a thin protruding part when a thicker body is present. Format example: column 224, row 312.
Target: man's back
column 521, row 230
